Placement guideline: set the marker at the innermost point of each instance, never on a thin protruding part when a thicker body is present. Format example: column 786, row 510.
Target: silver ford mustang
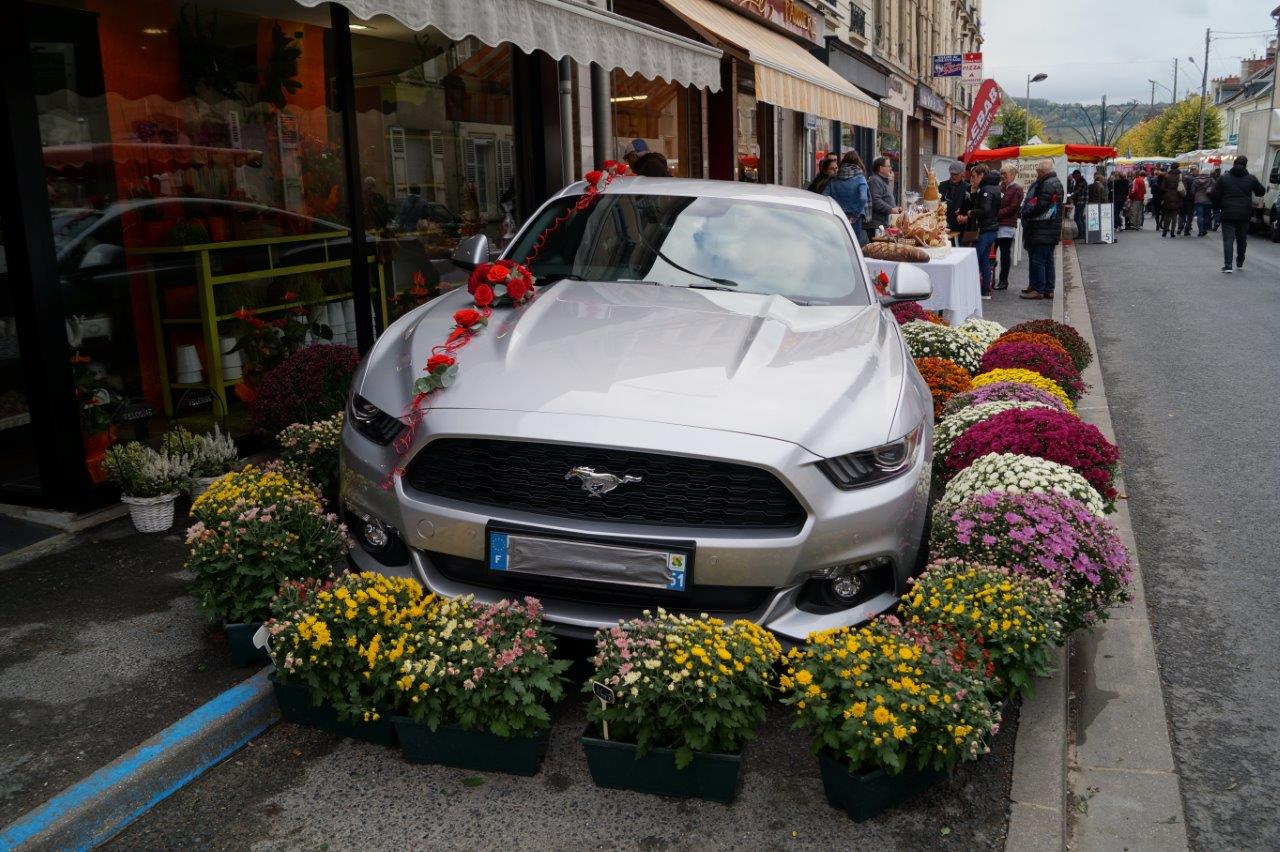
column 706, row 408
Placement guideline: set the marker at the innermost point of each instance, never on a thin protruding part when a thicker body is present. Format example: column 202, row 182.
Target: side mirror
column 471, row 252
column 908, row 283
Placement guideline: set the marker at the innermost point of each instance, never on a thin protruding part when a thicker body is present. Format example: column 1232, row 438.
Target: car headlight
column 869, row 467
column 372, row 422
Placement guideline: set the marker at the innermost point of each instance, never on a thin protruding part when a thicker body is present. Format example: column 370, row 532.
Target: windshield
column 684, row 241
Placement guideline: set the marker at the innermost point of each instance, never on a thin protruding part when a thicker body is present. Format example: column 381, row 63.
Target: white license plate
column 590, row 561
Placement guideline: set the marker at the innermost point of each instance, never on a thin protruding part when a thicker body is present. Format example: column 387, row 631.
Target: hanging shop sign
column 948, row 65
column 971, row 68
column 788, row 14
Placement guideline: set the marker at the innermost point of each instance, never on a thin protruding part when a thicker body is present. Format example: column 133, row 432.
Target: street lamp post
column 1204, row 85
column 1031, row 79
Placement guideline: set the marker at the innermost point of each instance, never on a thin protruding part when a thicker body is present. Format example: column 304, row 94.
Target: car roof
column 698, row 188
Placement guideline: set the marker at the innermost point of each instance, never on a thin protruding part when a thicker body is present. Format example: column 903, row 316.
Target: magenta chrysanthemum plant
column 1042, row 535
column 952, row 426
column 1053, row 435
column 1002, row 392
column 1048, row 362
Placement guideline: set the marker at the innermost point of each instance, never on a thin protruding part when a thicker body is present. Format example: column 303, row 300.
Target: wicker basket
column 151, row 514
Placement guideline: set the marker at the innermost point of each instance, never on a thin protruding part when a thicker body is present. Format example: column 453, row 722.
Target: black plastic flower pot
column 709, row 776
column 478, row 750
column 863, row 795
column 240, row 640
column 295, row 706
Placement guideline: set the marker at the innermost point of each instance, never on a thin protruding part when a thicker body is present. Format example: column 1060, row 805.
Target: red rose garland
column 503, row 283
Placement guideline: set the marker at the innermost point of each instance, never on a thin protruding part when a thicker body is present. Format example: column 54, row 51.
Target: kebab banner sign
column 983, row 114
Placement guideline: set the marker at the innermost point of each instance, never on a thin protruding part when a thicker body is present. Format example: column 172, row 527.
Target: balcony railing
column 858, row 20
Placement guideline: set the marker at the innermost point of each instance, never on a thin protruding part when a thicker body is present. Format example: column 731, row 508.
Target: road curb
column 1119, row 787
column 98, row 807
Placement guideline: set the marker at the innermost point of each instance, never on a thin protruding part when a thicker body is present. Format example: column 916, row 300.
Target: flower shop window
column 195, row 180
column 437, row 153
column 652, row 115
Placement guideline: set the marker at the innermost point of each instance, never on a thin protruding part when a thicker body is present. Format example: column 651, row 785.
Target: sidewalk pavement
column 1093, row 766
column 101, row 647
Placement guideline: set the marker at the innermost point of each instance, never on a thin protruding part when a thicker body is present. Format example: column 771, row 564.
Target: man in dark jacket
column 1119, row 198
column 1233, row 195
column 1171, row 192
column 1077, row 191
column 955, row 192
column 1042, row 229
column 982, row 216
column 1188, row 201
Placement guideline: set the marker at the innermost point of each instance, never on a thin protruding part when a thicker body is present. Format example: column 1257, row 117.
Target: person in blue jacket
column 849, row 190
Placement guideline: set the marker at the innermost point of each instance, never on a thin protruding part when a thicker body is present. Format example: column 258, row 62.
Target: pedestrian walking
column 1098, row 189
column 1171, row 192
column 826, row 171
column 652, row 164
column 1153, row 199
column 982, row 217
column 1078, row 189
column 882, row 202
column 1201, row 187
column 1007, row 222
column 1233, row 196
column 1137, row 201
column 1119, row 198
column 849, row 190
column 1188, row 212
column 1217, row 211
column 1042, row 229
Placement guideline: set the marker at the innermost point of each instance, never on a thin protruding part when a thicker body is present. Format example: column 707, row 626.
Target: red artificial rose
column 483, row 295
column 467, row 317
column 517, row 288
column 436, row 362
column 497, row 274
column 476, row 278
column 593, row 177
column 456, row 334
column 509, row 264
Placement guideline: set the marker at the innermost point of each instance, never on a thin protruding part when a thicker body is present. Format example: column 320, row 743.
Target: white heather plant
column 930, row 340
column 981, row 330
column 142, row 472
column 1015, row 474
column 953, row 425
column 214, row 454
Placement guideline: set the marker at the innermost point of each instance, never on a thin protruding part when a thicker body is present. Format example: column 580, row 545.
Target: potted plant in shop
column 339, row 645
column 149, row 482
column 475, row 687
column 676, row 699
column 97, row 404
column 892, row 709
column 256, row 528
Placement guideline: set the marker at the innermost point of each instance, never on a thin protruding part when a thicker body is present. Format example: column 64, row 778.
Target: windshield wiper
column 560, row 276
column 725, row 283
column 728, row 287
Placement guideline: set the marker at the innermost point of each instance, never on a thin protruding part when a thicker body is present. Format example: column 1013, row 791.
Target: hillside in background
column 1067, row 122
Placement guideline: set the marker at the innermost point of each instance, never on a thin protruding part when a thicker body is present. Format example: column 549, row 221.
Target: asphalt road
column 1190, row 358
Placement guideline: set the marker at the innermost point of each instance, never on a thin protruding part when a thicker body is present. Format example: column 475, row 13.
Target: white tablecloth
column 955, row 283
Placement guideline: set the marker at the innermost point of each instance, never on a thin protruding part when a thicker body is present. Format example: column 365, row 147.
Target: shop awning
column 787, row 75
column 1073, row 153
column 558, row 28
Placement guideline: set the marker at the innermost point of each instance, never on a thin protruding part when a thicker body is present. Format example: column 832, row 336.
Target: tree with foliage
column 1182, row 126
column 1013, row 127
column 1139, row 140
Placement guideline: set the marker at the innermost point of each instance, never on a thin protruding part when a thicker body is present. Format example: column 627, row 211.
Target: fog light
column 375, row 535
column 846, row 586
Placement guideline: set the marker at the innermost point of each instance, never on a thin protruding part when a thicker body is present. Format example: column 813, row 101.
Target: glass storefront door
column 19, row 473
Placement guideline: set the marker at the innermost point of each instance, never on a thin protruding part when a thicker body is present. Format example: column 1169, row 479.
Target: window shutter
column 399, row 160
column 437, row 165
column 505, row 166
column 469, row 160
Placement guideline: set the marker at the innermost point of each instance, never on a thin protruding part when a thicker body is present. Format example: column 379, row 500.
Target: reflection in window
column 651, row 115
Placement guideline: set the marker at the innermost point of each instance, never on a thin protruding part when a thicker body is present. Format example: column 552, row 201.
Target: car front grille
column 672, row 491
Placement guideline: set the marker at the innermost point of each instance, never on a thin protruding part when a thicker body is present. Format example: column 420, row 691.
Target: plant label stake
column 607, row 697
column 260, row 637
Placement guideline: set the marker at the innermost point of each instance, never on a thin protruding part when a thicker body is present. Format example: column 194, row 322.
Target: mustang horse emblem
column 598, row 484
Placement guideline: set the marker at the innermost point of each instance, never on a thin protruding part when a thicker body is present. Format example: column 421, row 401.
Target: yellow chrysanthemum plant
column 481, row 667
column 890, row 696
column 346, row 640
column 1016, row 618
column 1026, row 377
column 695, row 685
column 257, row 528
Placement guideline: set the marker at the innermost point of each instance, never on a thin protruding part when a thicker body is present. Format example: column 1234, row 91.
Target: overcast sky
column 1094, row 47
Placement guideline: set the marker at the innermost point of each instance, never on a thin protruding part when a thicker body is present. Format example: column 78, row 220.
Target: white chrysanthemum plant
column 984, row 331
column 930, row 340
column 951, row 427
column 1017, row 474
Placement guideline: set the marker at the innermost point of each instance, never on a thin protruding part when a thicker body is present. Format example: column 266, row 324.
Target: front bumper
column 842, row 527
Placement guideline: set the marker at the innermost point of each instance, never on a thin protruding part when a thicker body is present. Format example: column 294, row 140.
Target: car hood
column 828, row 378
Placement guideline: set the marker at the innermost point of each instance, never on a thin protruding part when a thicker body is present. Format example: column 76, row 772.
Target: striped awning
column 558, row 28
column 787, row 75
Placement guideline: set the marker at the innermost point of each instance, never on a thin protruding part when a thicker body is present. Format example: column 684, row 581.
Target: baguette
column 896, row 252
